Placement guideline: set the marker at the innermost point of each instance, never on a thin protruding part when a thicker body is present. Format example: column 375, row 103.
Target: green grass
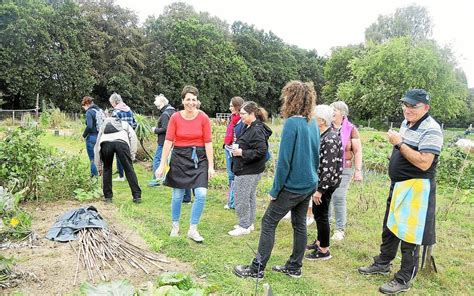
column 214, row 260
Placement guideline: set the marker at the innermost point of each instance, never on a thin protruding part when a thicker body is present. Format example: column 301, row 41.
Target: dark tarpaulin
column 70, row 223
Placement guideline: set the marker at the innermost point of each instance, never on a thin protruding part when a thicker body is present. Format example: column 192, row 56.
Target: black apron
column 188, row 168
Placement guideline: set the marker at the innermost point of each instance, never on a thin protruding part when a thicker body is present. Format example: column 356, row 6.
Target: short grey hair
column 115, row 98
column 162, row 99
column 324, row 112
column 341, row 106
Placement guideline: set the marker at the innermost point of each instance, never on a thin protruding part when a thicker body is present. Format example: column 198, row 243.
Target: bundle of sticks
column 101, row 248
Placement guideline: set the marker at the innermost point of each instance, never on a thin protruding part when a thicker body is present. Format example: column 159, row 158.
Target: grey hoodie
column 113, row 129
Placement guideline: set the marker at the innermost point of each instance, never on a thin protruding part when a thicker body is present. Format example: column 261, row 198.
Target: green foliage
column 455, row 168
column 115, row 288
column 6, row 265
column 376, row 152
column 387, row 71
column 182, row 281
column 42, row 51
column 25, row 163
column 115, row 44
column 144, row 127
column 188, row 48
column 83, row 195
column 337, row 70
column 413, row 21
column 21, row 157
column 218, row 133
column 16, row 225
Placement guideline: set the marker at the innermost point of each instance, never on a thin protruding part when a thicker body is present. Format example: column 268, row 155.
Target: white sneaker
column 287, row 216
column 309, row 220
column 338, row 235
column 175, row 230
column 239, row 231
column 194, row 234
column 226, row 207
column 252, row 227
column 119, row 179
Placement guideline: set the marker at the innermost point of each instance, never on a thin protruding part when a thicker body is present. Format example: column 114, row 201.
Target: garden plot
column 54, row 263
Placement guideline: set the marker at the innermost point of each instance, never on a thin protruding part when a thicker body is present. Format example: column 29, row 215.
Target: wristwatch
column 397, row 146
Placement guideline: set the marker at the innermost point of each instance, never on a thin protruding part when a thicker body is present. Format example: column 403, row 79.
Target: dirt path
column 55, row 263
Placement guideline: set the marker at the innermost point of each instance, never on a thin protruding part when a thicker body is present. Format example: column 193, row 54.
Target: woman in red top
column 192, row 159
column 229, row 138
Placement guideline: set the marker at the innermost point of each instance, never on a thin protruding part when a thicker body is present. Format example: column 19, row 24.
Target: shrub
column 456, row 168
column 218, row 133
column 25, row 163
column 375, row 153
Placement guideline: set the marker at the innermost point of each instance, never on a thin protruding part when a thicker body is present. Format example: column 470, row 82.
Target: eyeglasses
column 243, row 113
column 410, row 106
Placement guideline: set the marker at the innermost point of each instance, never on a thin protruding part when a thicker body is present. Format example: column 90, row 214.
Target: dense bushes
column 26, row 164
column 455, row 166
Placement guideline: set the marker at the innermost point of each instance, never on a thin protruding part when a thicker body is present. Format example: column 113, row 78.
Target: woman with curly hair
column 294, row 183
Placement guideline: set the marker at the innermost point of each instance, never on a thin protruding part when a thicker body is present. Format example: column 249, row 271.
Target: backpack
column 99, row 118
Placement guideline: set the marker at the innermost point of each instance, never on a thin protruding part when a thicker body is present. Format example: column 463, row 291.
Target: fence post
column 391, row 124
column 37, row 106
column 13, row 117
column 368, row 123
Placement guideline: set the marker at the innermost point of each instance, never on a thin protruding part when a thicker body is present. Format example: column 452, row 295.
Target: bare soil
column 54, row 263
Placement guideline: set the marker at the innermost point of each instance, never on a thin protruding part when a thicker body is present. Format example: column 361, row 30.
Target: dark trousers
column 122, row 150
column 389, row 248
column 286, row 201
column 321, row 216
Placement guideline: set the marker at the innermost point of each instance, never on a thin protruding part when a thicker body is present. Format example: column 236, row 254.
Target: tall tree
column 337, row 70
column 188, row 48
column 42, row 52
column 387, row 71
column 270, row 60
column 310, row 68
column 116, row 46
column 413, row 21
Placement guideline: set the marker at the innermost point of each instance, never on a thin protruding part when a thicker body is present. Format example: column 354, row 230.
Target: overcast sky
column 321, row 25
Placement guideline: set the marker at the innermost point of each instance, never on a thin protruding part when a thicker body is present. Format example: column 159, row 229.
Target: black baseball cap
column 415, row 96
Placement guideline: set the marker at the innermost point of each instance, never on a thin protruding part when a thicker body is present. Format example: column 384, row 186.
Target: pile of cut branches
column 100, row 249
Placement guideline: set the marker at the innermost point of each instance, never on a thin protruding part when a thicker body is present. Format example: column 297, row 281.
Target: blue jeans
column 338, row 200
column 157, row 159
column 119, row 168
column 196, row 210
column 90, row 143
column 228, row 165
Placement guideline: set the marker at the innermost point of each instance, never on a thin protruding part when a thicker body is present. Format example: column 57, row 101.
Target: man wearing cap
column 410, row 213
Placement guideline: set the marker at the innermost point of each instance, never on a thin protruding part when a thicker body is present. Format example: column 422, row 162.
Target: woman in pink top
column 192, row 160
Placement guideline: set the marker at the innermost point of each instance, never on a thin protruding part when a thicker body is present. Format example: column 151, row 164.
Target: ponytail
column 261, row 114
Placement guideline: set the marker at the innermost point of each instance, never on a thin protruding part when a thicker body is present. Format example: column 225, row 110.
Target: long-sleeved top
column 124, row 112
column 298, row 158
column 113, row 129
column 91, row 125
column 330, row 161
column 254, row 144
column 162, row 123
column 229, row 133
